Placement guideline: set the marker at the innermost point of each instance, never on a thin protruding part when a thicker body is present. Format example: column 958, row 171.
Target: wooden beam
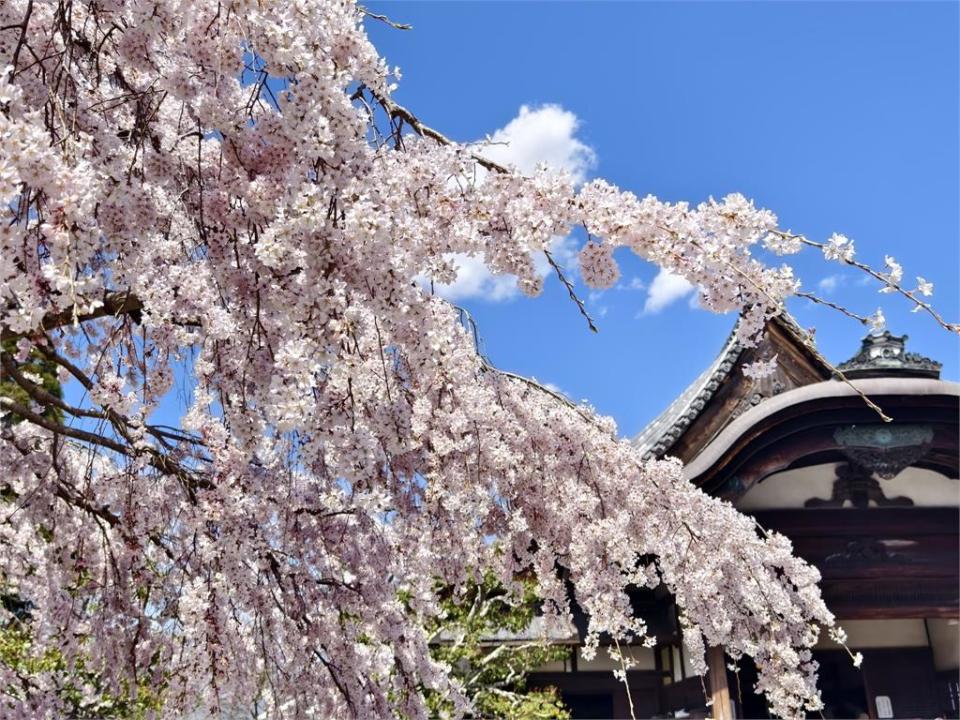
column 719, row 691
column 786, row 437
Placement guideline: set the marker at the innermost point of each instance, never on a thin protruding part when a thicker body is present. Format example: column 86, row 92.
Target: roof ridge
column 664, row 430
column 658, row 436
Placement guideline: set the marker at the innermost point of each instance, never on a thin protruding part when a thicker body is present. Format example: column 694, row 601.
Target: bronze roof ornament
column 884, row 354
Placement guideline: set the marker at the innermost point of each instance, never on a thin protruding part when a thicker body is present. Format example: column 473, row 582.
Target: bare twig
column 839, row 308
column 21, row 41
column 909, row 294
column 384, row 19
column 569, row 286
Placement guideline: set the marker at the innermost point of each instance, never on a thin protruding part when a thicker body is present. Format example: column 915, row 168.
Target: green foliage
column 40, row 368
column 79, row 688
column 492, row 673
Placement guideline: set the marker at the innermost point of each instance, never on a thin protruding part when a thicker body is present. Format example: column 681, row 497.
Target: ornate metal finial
column 884, row 354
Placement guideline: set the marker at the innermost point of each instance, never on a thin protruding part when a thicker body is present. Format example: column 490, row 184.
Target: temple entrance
column 589, row 706
column 842, row 688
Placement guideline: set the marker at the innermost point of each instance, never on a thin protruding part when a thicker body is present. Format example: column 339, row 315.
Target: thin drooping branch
column 570, row 290
column 834, row 306
column 883, row 278
column 384, row 19
column 488, row 366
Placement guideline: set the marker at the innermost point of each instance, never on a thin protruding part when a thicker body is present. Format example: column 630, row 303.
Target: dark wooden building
column 874, row 505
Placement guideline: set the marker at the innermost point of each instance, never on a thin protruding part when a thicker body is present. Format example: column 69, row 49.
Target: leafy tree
column 472, row 636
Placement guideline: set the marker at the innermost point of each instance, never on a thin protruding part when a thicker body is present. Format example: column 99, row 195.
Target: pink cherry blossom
column 206, row 201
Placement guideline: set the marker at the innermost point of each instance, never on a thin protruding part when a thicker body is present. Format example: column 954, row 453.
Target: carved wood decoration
column 869, row 550
column 891, row 562
column 760, row 390
column 886, row 450
column 731, row 393
column 856, row 484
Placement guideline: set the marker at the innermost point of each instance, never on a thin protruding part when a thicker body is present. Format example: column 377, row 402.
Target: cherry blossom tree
column 223, row 197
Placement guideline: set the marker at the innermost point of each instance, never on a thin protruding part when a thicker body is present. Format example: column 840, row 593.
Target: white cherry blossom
column 893, row 275
column 205, row 201
column 838, row 247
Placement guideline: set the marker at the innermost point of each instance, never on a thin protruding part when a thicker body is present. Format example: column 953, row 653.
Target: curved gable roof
column 662, row 434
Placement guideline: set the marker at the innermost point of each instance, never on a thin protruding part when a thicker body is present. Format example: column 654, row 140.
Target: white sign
column 884, row 707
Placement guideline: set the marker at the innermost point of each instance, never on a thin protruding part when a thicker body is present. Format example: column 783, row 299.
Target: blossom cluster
column 189, row 190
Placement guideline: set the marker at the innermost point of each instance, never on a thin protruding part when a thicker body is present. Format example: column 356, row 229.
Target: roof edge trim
column 871, row 387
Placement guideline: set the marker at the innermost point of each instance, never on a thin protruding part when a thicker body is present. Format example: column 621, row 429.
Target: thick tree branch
column 396, row 111
column 114, row 304
column 41, row 396
column 55, row 427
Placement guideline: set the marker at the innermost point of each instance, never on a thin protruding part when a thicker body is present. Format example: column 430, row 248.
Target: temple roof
column 657, row 437
column 663, row 432
column 686, row 426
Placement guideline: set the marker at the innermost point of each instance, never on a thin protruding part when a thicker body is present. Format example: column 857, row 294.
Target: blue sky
column 840, row 117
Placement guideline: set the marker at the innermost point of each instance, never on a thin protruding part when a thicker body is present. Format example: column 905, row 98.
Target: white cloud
column 536, row 135
column 634, row 283
column 665, row 289
column 474, row 280
column 542, row 135
column 596, row 305
column 556, row 388
column 830, row 283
